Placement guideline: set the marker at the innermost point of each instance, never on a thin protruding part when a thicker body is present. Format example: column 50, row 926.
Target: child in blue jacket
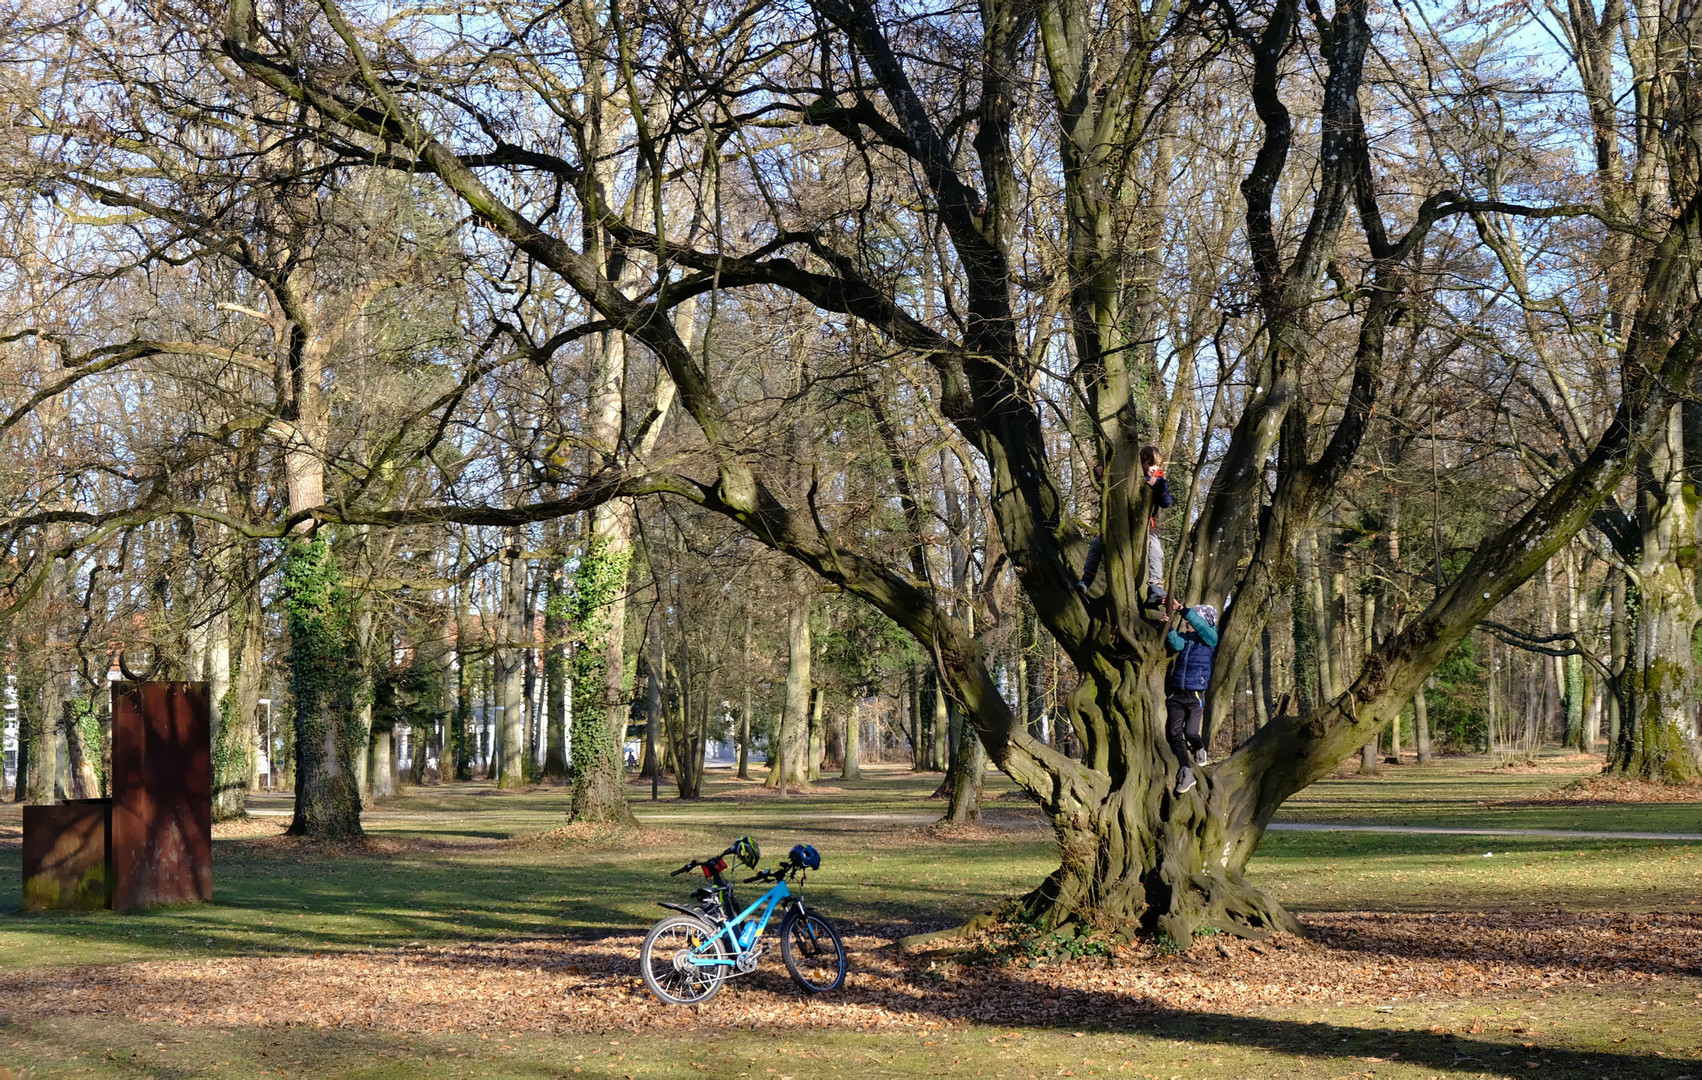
column 1185, row 686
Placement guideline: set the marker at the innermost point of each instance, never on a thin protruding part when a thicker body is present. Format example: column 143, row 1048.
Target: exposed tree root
column 976, row 925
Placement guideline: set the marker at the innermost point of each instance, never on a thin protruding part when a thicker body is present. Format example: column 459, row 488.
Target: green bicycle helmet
column 747, row 851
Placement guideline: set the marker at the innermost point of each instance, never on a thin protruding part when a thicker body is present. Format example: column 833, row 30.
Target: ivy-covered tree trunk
column 329, row 737
column 599, row 717
column 1656, row 739
column 86, row 767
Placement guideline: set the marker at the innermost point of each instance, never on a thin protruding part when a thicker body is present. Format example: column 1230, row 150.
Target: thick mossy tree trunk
column 324, row 672
column 965, row 779
column 1132, row 851
column 1656, row 737
column 1656, row 741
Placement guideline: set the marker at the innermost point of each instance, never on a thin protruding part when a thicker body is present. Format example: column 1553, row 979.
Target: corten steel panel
column 162, row 794
column 68, row 855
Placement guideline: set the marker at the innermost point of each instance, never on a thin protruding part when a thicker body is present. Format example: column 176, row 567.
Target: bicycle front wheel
column 813, row 953
column 666, row 960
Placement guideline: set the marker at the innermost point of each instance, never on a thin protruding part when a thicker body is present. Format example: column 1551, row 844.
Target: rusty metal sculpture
column 152, row 842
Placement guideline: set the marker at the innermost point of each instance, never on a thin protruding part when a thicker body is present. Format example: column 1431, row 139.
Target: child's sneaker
column 1155, row 597
column 1184, row 780
column 1200, row 757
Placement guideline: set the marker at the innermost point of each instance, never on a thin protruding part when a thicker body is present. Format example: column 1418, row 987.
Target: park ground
column 1532, row 931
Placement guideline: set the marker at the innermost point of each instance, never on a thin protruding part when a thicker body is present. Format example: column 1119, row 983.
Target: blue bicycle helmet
column 805, row 856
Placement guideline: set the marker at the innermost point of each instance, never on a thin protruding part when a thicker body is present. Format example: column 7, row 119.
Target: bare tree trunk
column 918, row 749
column 745, row 713
column 510, row 670
column 1577, row 692
column 231, row 801
column 1369, row 761
column 655, row 665
column 1493, row 734
column 382, row 772
column 1259, row 681
column 792, row 740
column 555, row 670
column 815, row 748
column 1619, row 645
column 1421, row 725
column 853, row 766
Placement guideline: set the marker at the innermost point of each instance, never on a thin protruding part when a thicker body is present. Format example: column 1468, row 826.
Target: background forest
column 476, row 390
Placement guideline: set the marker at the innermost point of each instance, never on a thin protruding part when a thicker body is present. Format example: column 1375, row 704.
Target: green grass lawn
column 453, row 865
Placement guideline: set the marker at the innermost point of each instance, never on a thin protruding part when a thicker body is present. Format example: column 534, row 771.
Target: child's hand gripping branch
column 1193, row 646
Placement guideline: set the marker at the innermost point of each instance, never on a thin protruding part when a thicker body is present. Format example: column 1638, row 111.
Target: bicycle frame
column 768, row 902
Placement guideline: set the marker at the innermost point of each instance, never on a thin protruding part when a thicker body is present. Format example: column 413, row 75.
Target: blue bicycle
column 687, row 957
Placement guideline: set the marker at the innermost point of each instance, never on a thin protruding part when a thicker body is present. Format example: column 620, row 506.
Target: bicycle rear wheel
column 812, row 950
column 665, row 960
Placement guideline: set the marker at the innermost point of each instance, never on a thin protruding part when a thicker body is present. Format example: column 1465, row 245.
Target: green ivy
column 600, row 577
column 1021, row 942
column 324, row 668
column 86, row 715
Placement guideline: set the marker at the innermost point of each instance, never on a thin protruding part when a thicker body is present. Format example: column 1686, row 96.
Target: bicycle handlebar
column 695, row 863
column 779, row 873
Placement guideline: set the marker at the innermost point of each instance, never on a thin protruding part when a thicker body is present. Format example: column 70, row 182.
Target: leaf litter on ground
column 581, row 985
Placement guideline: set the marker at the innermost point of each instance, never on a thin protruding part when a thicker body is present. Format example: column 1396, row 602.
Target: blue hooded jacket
column 1190, row 668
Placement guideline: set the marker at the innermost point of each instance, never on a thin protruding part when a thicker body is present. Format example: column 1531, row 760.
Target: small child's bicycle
column 687, row 957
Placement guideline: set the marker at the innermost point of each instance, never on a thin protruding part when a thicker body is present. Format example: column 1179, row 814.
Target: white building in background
column 9, row 733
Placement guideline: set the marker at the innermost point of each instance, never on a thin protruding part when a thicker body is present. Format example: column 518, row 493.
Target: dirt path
column 1417, row 830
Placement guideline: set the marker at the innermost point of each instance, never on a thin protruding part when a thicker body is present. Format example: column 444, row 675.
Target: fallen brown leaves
column 755, row 789
column 1612, row 789
column 249, row 827
column 985, row 829
column 1554, row 764
column 568, row 986
column 598, row 835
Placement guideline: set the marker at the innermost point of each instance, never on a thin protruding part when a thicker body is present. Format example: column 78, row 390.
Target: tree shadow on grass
column 1581, row 944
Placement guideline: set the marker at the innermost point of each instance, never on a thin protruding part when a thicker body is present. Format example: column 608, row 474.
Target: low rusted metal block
column 162, row 794
column 68, row 856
